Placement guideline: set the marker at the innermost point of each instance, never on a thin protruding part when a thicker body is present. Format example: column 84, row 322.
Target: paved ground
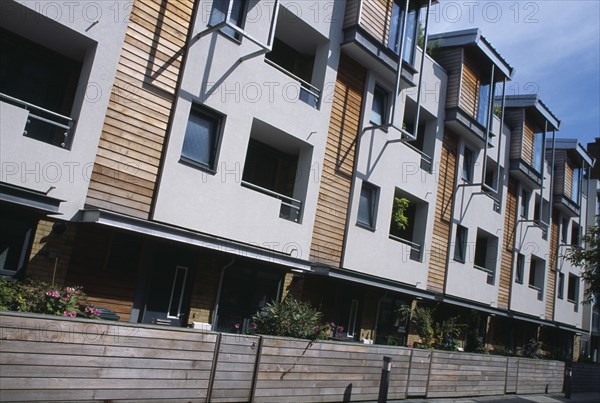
column 554, row 398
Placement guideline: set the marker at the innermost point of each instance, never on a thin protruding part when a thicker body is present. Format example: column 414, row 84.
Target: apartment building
column 188, row 162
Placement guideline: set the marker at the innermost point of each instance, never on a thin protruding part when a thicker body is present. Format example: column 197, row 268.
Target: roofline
column 532, row 100
column 574, row 144
column 473, row 36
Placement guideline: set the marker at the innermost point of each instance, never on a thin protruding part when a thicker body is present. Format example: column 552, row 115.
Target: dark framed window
column 379, row 107
column 575, row 234
column 485, row 93
column 573, row 288
column 561, row 285
column 538, row 151
column 525, row 195
column 520, row 268
column 15, row 238
column 202, row 136
column 467, row 166
column 536, row 276
column 576, row 182
column 460, row 247
column 237, row 16
column 410, row 38
column 564, row 233
column 367, row 205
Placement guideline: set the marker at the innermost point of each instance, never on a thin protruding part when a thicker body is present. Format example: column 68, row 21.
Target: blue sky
column 554, row 45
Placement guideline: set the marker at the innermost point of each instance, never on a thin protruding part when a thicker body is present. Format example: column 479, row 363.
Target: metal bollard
column 384, row 383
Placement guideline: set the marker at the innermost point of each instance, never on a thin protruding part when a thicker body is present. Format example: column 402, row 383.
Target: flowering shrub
column 291, row 318
column 38, row 297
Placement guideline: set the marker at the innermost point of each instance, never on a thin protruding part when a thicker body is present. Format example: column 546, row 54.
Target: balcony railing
column 490, row 273
column 291, row 209
column 49, row 123
column 415, row 248
column 540, row 292
column 426, row 160
column 309, row 94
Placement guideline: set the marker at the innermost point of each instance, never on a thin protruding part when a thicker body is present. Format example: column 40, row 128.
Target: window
column 564, row 233
column 379, row 107
column 237, row 16
column 483, row 103
column 561, row 285
column 301, row 53
column 575, row 235
column 467, row 167
column 573, row 288
column 545, row 208
column 536, row 276
column 486, row 251
column 15, row 238
column 575, row 185
column 274, row 165
column 525, row 203
column 32, row 73
column 520, row 268
column 352, row 319
column 538, row 151
column 201, row 138
column 410, row 35
column 366, row 205
column 460, row 246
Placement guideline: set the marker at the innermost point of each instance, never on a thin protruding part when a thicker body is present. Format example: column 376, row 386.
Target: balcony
column 474, row 69
column 525, row 173
column 43, row 82
column 276, row 165
column 412, row 232
column 300, row 53
column 568, row 179
column 372, row 31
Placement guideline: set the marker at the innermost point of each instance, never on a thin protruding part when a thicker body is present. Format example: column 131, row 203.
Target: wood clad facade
column 508, row 245
column 452, row 60
column 568, row 179
column 515, row 119
column 132, row 140
column 338, row 165
column 552, row 267
column 443, row 210
column 374, row 16
column 560, row 162
column 527, row 142
column 469, row 86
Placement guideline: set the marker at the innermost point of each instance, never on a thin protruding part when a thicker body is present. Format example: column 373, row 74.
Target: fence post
column 384, row 383
column 213, row 371
column 256, row 367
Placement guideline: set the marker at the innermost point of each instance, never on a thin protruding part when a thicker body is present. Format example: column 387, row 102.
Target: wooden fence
column 51, row 358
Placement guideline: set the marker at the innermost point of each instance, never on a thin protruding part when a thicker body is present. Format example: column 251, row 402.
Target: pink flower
column 69, row 314
column 65, row 298
column 237, row 326
column 332, row 324
column 316, row 329
column 252, row 325
column 53, row 294
column 69, row 290
column 340, row 328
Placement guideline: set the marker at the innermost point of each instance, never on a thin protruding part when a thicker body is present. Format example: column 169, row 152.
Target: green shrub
column 39, row 297
column 290, row 318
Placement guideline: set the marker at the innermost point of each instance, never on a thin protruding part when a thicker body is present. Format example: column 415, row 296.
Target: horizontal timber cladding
column 461, row 374
column 127, row 162
column 552, row 267
column 451, row 61
column 508, row 241
column 338, row 165
column 375, row 18
column 560, row 167
column 443, row 210
column 54, row 358
column 234, row 371
column 352, row 12
column 304, row 371
column 568, row 179
column 515, row 120
column 77, row 360
column 539, row 376
column 469, row 87
column 527, row 145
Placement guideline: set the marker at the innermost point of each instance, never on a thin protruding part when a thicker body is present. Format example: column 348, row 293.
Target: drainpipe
column 216, row 314
column 550, row 207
